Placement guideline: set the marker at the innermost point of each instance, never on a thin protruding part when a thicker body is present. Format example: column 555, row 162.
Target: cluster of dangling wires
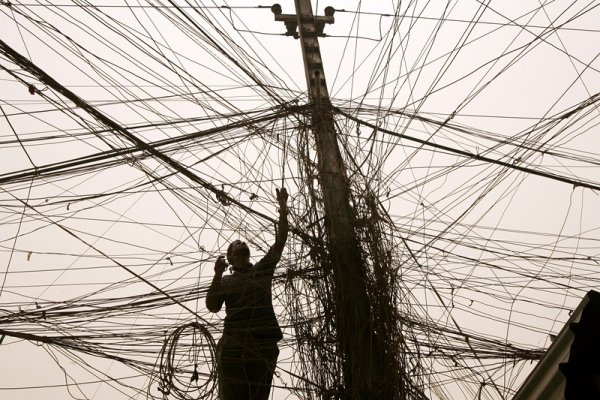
column 186, row 364
column 310, row 299
column 416, row 344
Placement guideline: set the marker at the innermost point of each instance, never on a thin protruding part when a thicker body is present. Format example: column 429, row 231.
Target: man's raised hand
column 282, row 196
column 220, row 265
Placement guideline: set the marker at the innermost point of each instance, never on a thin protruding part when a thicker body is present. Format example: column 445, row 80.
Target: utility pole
column 362, row 348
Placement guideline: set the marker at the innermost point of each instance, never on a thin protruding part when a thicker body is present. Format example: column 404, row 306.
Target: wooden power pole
column 361, row 346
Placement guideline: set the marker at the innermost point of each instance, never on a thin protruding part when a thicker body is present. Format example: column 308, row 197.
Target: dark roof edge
column 555, row 352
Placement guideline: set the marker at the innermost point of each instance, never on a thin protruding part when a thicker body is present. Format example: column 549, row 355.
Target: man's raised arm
column 274, row 253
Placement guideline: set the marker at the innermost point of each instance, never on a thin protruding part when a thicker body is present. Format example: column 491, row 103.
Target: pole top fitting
column 276, row 9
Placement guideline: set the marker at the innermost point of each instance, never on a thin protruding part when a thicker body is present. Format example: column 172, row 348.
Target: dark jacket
column 247, row 294
column 248, row 302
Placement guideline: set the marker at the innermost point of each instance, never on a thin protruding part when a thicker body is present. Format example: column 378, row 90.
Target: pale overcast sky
column 474, row 125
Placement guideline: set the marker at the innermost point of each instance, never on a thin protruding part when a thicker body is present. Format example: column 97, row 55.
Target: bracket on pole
column 291, row 21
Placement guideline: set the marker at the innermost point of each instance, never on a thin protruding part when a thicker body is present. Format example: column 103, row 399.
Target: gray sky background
column 502, row 253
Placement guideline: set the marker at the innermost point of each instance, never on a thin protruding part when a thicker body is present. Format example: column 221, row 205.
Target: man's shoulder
column 265, row 263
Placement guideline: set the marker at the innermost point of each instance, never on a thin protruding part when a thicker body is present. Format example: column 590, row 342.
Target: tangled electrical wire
column 130, row 163
column 186, row 365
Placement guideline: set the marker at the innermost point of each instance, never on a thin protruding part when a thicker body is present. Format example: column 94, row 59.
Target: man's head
column 238, row 254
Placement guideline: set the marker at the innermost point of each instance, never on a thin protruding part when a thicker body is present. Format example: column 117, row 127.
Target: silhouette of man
column 247, row 352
